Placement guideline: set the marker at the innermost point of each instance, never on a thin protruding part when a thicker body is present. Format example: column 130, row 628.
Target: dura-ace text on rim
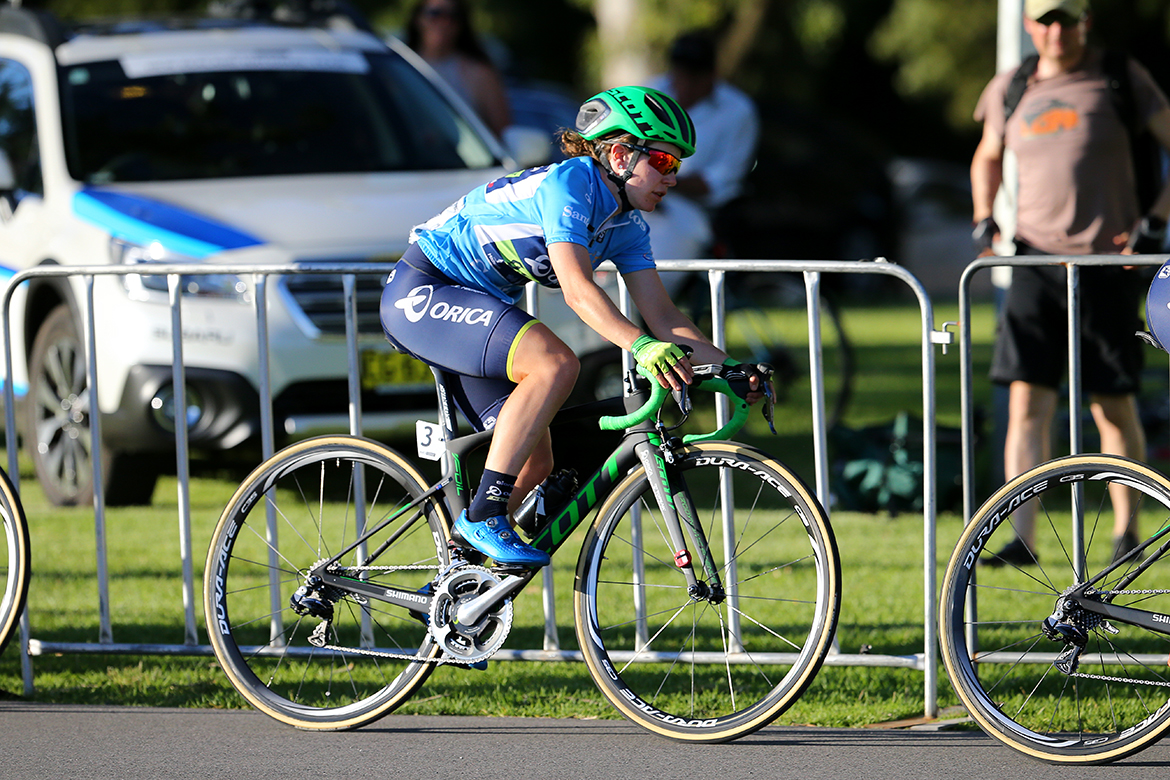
column 1065, row 658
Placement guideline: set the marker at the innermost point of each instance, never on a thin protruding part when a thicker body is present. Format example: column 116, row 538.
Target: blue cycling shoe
column 496, row 539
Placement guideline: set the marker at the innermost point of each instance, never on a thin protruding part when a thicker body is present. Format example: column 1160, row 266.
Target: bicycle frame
column 1082, row 595
column 647, row 443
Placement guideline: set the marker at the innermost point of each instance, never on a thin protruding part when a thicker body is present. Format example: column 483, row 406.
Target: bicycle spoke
column 1038, row 671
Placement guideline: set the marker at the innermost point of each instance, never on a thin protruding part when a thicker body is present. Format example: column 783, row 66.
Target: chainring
column 471, row 643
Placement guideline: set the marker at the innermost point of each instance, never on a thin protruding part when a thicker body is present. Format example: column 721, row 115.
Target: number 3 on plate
column 429, row 439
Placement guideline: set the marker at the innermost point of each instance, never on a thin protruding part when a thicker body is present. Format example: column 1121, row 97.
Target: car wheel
column 58, row 425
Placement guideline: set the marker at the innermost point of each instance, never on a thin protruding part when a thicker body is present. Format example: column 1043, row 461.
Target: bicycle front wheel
column 1116, row 701
column 15, row 561
column 309, row 502
column 709, row 665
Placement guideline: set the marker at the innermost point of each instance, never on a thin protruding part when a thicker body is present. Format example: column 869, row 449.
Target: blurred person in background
column 1077, row 196
column 440, row 31
column 714, row 175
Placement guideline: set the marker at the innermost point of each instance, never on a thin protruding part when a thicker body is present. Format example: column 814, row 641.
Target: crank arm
column 472, row 611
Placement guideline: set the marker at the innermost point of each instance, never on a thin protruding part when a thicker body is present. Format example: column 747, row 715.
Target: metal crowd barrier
column 716, row 271
column 1075, row 394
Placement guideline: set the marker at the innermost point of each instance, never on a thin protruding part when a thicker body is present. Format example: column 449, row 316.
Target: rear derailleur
column 1071, row 624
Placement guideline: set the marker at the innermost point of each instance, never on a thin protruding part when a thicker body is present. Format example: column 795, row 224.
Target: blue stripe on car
column 144, row 221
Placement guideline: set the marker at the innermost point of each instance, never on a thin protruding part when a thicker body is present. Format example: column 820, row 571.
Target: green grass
column 882, row 562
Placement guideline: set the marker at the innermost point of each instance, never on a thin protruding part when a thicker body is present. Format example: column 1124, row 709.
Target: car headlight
column 142, row 286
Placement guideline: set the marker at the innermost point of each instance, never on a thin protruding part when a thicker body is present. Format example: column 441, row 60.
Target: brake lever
column 769, row 406
column 683, row 398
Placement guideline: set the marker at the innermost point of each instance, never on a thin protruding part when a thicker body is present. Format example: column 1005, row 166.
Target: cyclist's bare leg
column 545, row 370
column 1121, row 433
column 534, row 471
column 1028, row 442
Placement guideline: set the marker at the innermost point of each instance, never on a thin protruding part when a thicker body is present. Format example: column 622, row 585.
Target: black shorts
column 467, row 333
column 1031, row 343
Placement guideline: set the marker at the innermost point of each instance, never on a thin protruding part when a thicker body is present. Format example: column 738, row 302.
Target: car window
column 214, row 116
column 18, row 127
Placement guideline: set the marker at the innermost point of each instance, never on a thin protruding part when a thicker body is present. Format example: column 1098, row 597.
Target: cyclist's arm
column 586, row 298
column 667, row 323
column 664, row 319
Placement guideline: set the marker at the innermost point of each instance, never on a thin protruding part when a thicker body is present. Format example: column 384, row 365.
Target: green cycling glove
column 657, row 357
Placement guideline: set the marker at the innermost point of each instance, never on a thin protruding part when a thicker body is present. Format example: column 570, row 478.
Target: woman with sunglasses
column 441, row 32
column 451, row 302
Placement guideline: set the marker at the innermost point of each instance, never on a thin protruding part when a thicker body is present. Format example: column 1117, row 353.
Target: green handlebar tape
column 739, row 414
column 645, row 412
column 658, row 393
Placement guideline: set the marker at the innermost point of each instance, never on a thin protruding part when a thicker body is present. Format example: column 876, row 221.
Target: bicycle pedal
column 465, row 553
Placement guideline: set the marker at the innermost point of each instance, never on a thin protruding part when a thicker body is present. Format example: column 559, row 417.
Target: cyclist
column 451, row 301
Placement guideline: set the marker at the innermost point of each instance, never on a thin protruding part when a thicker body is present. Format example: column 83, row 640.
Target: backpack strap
column 1115, row 66
column 1017, row 86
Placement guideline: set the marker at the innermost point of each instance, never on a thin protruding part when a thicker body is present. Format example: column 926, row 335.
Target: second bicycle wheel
column 1116, row 701
column 694, row 667
column 304, row 505
column 15, row 560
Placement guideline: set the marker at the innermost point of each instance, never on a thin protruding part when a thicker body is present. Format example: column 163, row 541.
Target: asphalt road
column 79, row 742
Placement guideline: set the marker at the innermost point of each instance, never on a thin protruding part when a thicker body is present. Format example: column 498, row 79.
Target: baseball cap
column 1034, row 9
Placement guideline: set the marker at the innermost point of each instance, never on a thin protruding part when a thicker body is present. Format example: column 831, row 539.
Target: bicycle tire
column 15, row 560
column 992, row 644
column 692, row 675
column 311, row 487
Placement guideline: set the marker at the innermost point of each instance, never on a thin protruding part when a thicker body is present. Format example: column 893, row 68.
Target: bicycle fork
column 678, row 513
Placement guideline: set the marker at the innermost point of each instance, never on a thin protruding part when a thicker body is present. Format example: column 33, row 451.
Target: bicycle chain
column 383, row 654
column 320, row 629
column 1108, row 678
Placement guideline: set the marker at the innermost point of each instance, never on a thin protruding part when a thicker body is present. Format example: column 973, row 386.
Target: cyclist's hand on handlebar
column 665, row 361
column 748, row 380
column 752, row 383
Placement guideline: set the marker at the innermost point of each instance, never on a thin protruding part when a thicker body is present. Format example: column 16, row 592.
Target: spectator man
column 713, row 176
column 1077, row 195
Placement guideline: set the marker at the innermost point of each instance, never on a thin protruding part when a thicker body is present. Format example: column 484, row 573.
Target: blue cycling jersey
column 496, row 237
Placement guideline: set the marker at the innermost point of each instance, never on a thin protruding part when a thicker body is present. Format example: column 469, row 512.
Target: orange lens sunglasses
column 663, row 162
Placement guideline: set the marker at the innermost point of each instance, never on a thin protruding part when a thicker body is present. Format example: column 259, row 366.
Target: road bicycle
column 15, row 560
column 1064, row 657
column 706, row 594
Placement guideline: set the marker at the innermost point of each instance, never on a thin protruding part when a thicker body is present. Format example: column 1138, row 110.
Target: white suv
column 220, row 140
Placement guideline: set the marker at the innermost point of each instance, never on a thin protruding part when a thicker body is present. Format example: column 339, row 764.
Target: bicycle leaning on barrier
column 1065, row 657
column 15, row 559
column 706, row 595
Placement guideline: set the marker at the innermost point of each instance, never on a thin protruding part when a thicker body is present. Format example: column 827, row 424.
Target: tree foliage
column 903, row 73
column 946, row 49
column 941, row 48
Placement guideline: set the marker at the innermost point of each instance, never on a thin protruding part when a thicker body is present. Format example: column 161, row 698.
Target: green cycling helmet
column 641, row 112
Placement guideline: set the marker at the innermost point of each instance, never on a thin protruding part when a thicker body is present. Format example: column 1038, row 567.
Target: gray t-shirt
column 1076, row 179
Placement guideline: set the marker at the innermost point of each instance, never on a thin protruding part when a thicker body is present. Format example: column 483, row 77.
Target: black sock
column 491, row 498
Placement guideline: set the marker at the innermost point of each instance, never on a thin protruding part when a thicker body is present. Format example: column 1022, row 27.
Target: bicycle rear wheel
column 15, row 560
column 1117, row 701
column 694, row 667
column 303, row 505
